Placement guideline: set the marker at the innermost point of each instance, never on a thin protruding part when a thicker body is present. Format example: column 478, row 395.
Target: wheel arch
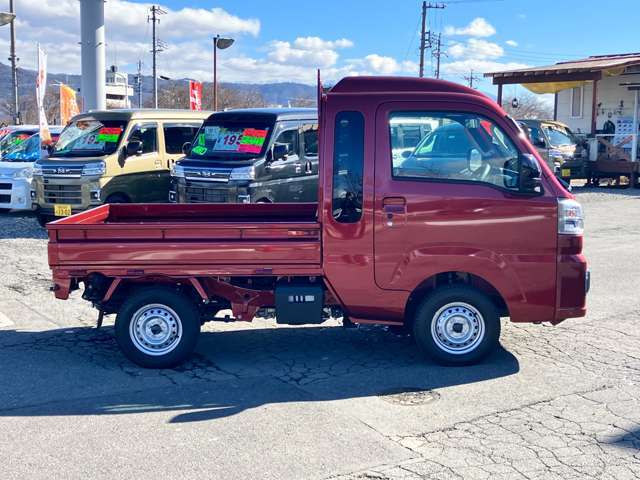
column 454, row 278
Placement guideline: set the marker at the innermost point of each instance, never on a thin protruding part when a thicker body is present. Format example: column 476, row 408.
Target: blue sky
column 286, row 39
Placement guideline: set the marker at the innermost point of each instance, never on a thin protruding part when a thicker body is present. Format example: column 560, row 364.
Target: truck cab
column 443, row 236
column 112, row 156
column 251, row 156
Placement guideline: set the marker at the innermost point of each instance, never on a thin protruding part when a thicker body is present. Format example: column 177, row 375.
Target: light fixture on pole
column 8, row 18
column 218, row 43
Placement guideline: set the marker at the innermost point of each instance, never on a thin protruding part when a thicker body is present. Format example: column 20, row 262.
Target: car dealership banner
column 68, row 104
column 41, row 88
column 195, row 95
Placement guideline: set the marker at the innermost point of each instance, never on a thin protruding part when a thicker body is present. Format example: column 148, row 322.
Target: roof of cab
column 279, row 113
column 145, row 113
column 370, row 84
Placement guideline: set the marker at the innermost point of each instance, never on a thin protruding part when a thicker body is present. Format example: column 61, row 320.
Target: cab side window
column 177, row 134
column 289, row 138
column 310, row 140
column 459, row 147
column 348, row 167
column 148, row 135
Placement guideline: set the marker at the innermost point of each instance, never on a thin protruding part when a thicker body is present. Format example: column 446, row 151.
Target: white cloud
column 463, row 67
column 475, row 48
column 511, row 43
column 478, row 27
column 187, row 32
column 307, row 51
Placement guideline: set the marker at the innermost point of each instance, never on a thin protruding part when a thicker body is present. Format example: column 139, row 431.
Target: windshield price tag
column 252, row 140
column 110, row 135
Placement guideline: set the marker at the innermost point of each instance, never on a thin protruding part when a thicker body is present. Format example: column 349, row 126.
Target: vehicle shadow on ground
column 20, row 225
column 80, row 371
column 630, row 440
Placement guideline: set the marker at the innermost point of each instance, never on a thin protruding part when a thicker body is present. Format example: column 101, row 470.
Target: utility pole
column 139, row 83
column 14, row 67
column 425, row 37
column 438, row 54
column 471, row 78
column 156, row 48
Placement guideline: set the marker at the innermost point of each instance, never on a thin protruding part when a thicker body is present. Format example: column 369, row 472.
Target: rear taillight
column 570, row 217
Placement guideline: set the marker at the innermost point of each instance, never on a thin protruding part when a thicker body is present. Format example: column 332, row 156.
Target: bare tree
column 29, row 109
column 176, row 95
column 530, row 106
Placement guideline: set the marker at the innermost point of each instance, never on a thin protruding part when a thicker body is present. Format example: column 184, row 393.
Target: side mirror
column 406, row 154
column 540, row 143
column 186, row 148
column 134, row 147
column 279, row 151
column 529, row 174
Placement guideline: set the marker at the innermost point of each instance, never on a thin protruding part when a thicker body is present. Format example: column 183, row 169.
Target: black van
column 250, row 156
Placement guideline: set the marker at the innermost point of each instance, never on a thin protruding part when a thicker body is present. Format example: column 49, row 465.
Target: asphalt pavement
column 260, row 401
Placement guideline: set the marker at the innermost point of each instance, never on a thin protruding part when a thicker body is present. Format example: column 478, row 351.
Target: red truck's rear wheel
column 457, row 325
column 157, row 327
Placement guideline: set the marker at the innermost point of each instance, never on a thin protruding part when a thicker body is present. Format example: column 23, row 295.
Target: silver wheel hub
column 155, row 329
column 457, row 328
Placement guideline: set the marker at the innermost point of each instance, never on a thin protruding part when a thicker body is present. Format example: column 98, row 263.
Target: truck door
column 452, row 204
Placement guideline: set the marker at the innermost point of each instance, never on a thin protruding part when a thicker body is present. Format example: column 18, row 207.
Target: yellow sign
column 62, row 210
column 566, row 172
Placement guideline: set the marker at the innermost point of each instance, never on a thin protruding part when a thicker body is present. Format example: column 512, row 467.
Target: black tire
column 117, row 198
column 479, row 325
column 162, row 305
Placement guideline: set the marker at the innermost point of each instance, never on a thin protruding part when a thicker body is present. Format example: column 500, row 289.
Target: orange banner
column 68, row 104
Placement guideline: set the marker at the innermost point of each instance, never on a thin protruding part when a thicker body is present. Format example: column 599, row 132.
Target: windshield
column 29, row 150
column 89, row 137
column 225, row 140
column 12, row 139
column 558, row 138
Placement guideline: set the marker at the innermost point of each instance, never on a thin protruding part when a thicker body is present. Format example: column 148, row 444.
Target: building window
column 576, row 101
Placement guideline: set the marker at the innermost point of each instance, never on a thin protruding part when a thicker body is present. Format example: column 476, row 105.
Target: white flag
column 41, row 89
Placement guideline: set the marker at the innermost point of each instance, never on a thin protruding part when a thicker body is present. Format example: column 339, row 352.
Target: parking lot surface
column 260, row 401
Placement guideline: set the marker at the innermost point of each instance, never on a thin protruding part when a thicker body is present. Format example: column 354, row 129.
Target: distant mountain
column 273, row 93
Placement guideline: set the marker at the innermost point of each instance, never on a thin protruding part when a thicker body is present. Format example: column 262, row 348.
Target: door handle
column 393, row 206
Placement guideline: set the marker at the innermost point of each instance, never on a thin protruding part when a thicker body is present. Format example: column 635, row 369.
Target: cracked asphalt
column 323, row 402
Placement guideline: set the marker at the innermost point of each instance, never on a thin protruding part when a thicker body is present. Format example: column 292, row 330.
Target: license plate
column 62, row 210
column 566, row 172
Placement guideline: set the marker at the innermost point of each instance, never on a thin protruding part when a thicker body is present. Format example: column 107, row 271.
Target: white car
column 16, row 172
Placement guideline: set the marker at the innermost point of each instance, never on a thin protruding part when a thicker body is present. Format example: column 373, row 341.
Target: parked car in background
column 15, row 134
column 251, row 156
column 112, row 156
column 558, row 146
column 16, row 170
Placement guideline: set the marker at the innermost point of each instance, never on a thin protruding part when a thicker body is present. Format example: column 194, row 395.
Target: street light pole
column 218, row 43
column 14, row 68
column 215, row 73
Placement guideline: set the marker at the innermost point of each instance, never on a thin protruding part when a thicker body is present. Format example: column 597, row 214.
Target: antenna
column 425, row 37
column 157, row 47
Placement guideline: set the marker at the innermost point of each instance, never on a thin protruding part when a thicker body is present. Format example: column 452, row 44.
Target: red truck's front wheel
column 457, row 325
column 157, row 327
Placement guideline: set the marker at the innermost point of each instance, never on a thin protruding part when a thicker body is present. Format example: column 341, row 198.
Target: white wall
column 609, row 94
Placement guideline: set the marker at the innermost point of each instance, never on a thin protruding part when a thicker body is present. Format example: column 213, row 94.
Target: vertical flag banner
column 68, row 104
column 195, row 95
column 41, row 88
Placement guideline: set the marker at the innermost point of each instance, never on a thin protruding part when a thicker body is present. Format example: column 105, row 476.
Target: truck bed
column 213, row 238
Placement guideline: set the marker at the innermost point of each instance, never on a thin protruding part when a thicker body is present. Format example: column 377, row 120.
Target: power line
column 157, row 46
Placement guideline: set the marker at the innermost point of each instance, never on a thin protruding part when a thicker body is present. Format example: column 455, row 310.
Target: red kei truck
column 434, row 213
